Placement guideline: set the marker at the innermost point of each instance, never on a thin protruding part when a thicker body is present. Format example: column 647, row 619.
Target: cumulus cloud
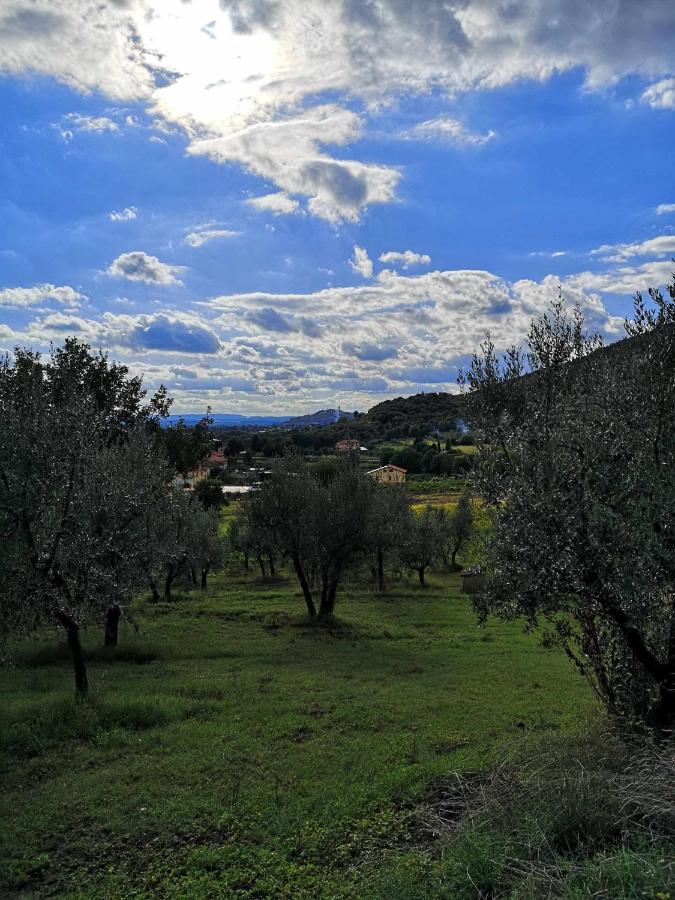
column 425, row 326
column 287, row 152
column 626, row 279
column 89, row 46
column 660, row 95
column 314, row 349
column 168, row 332
column 662, row 245
column 199, row 238
column 443, row 128
column 39, row 294
column 374, row 352
column 140, row 266
column 361, row 263
column 123, row 215
column 664, row 209
column 278, row 203
column 405, row 258
column 242, row 80
column 270, row 320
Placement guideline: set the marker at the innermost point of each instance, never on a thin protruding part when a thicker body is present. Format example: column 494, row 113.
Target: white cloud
column 165, row 332
column 278, row 203
column 443, row 128
column 97, row 124
column 361, row 263
column 124, row 215
column 288, row 350
column 406, row 258
column 287, row 152
column 626, row 279
column 256, row 56
column 40, row 293
column 242, row 78
column 664, row 209
column 658, row 246
column 660, row 95
column 199, row 238
column 425, row 327
column 89, row 46
column 140, row 266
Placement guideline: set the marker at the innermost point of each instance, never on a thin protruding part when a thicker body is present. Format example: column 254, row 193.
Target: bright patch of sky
column 277, row 206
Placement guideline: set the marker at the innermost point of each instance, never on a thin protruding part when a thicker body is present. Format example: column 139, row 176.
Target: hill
column 436, row 410
column 322, row 417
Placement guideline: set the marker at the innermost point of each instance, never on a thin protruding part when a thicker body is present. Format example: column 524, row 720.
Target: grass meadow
column 231, row 749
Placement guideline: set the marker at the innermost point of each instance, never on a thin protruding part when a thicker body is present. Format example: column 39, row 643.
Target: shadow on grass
column 54, row 722
column 50, row 654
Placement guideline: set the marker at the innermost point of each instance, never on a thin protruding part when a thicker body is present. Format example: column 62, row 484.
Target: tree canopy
column 577, row 454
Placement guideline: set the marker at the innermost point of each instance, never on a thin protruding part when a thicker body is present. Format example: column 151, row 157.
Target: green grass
column 421, row 484
column 231, row 750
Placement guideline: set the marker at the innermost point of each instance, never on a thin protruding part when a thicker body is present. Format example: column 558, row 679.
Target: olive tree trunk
column 304, row 584
column 112, row 621
column 72, row 630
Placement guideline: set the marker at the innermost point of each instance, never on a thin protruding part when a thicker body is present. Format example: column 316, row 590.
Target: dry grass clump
column 589, row 816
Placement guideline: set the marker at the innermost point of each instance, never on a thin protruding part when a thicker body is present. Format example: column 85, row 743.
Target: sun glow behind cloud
column 220, row 75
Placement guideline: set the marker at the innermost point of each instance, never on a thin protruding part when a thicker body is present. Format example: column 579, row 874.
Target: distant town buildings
column 192, row 477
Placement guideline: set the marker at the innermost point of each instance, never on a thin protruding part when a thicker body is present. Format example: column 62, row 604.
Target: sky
column 276, row 206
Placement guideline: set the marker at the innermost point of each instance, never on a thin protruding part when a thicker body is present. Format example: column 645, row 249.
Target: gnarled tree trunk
column 168, row 582
column 112, row 621
column 304, row 584
column 72, row 630
column 328, row 596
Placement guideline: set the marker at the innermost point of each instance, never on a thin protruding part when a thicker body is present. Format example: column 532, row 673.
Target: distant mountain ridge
column 226, row 420
column 233, row 420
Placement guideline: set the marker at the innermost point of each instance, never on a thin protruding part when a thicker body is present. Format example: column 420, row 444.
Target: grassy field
column 229, row 749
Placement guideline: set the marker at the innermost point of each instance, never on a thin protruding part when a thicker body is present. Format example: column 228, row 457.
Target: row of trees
column 431, row 459
column 577, row 462
column 328, row 519
column 88, row 511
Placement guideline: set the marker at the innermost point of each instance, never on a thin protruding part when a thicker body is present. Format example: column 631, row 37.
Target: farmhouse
column 347, row 445
column 389, row 474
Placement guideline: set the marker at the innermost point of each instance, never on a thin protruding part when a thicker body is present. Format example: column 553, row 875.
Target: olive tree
column 75, row 438
column 576, row 461
column 205, row 545
column 254, row 535
column 286, row 506
column 460, row 527
column 425, row 539
column 388, row 520
column 317, row 519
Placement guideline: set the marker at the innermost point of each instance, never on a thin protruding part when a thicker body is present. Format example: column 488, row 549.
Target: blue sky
column 276, row 206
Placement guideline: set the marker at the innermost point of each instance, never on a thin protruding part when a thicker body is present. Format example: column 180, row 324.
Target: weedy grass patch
column 229, row 749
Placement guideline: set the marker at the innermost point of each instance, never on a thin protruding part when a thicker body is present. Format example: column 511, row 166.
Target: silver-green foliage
column 577, row 462
column 80, row 474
